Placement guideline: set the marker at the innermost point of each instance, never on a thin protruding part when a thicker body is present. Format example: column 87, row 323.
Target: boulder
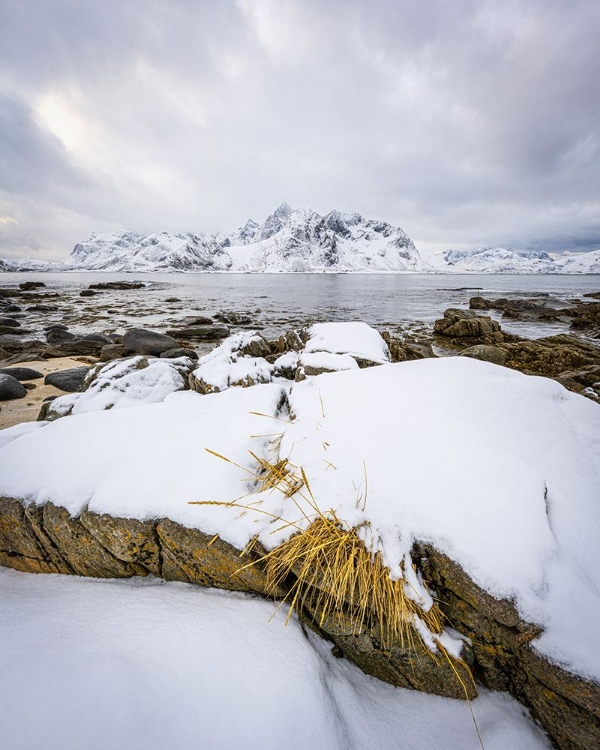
column 28, row 286
column 485, row 353
column 142, row 341
column 21, row 373
column 42, row 308
column 67, row 380
column 9, row 322
column 88, row 293
column 466, row 324
column 179, row 352
column 203, row 332
column 111, row 351
column 58, row 335
column 234, row 318
column 10, row 388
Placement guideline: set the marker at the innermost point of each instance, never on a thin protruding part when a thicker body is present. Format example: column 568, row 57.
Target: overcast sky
column 465, row 122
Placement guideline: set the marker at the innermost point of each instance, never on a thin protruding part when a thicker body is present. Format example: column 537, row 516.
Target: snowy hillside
column 298, row 240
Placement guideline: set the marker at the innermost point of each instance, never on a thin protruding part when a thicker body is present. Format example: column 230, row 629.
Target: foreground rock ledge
column 47, row 539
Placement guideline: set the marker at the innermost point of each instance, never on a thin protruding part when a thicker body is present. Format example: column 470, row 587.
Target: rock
column 10, row 388
column 567, row 706
column 56, row 327
column 27, row 286
column 9, row 322
column 200, row 321
column 21, row 373
column 290, row 341
column 479, row 303
column 88, row 293
column 407, row 349
column 58, row 335
column 172, row 299
column 44, row 409
column 11, row 308
column 67, row 380
column 99, row 337
column 202, row 332
column 257, row 346
column 75, row 348
column 234, row 318
column 142, row 341
column 121, row 285
column 111, row 351
column 485, row 353
column 42, row 308
column 179, row 352
column 551, row 356
column 466, row 324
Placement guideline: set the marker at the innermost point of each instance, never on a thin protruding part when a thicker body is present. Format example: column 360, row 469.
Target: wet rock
column 88, row 293
column 10, row 388
column 58, row 335
column 172, row 299
column 466, row 324
column 67, row 380
column 42, row 308
column 75, row 348
column 234, row 318
column 142, row 341
column 43, row 414
column 11, row 308
column 111, row 351
column 200, row 333
column 56, row 327
column 21, row 373
column 27, row 286
column 120, row 285
column 99, row 337
column 9, row 322
column 485, row 353
column 179, row 352
column 479, row 303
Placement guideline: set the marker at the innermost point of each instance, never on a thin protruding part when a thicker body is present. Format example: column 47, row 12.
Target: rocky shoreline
column 39, row 328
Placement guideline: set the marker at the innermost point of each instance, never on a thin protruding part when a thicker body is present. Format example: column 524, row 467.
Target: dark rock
column 200, row 321
column 57, row 336
column 11, row 331
column 11, row 308
column 21, row 373
column 485, row 353
column 142, row 341
column 172, row 299
column 76, row 348
column 10, row 388
column 202, row 332
column 43, row 414
column 42, row 308
column 56, row 327
column 179, row 352
column 27, row 286
column 9, row 322
column 67, row 380
column 99, row 337
column 111, row 351
column 88, row 293
column 122, row 285
column 234, row 318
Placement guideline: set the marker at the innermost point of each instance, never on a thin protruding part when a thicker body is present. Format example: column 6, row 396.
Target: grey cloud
column 465, row 123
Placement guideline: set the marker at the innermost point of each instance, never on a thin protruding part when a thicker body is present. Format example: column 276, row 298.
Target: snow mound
column 499, row 470
column 124, row 383
column 160, row 665
column 355, row 338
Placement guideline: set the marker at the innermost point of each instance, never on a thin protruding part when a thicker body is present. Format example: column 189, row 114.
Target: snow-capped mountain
column 298, row 240
column 498, row 260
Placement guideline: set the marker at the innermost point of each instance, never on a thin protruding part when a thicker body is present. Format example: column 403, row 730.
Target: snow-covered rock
column 498, row 260
column 123, row 383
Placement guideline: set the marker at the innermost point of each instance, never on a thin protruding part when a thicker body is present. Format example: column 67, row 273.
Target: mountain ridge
column 297, row 240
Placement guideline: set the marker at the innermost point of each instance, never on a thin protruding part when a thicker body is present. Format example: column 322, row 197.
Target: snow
column 298, row 240
column 124, row 383
column 356, row 338
column 225, row 365
column 101, row 664
column 327, row 361
column 499, row 470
